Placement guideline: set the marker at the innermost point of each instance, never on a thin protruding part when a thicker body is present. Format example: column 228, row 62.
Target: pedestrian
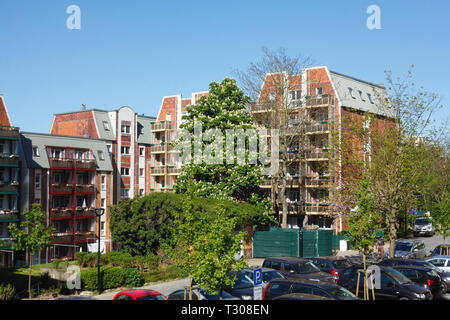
column 380, row 247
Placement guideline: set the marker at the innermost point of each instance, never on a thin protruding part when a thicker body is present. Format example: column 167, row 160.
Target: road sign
column 257, row 292
column 257, row 277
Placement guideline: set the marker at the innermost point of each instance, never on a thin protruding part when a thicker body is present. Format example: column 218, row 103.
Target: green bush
column 111, row 277
column 133, row 278
column 7, row 291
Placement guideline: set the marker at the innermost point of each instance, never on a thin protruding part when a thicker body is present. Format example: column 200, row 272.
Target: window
column 125, row 128
column 141, row 192
column 298, row 288
column 109, row 147
column 101, row 156
column 276, row 265
column 35, row 151
column 350, row 90
column 124, row 297
column 125, row 171
column 361, row 95
column 319, row 91
column 272, row 96
column 168, row 117
column 289, row 267
column 278, row 289
column 125, row 193
column 106, row 125
column 141, row 172
column 370, row 97
column 103, row 182
column 295, row 94
column 102, row 202
column 141, row 151
column 125, row 150
column 438, row 262
column 37, row 181
column 320, row 293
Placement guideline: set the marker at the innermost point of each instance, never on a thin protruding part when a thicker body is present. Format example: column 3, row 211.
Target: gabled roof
column 42, row 140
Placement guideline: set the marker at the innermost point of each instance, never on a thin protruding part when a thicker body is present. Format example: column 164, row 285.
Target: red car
column 139, row 294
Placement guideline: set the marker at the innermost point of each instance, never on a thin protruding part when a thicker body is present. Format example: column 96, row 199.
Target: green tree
column 223, row 109
column 213, row 253
column 32, row 235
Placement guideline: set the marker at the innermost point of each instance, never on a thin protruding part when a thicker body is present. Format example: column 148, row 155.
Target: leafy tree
column 223, row 109
column 214, row 253
column 32, row 235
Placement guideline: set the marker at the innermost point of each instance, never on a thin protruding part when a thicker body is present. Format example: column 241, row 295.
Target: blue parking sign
column 257, row 277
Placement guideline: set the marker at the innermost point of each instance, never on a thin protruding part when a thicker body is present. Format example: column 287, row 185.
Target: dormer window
column 361, row 95
column 350, row 90
column 319, row 91
column 370, row 97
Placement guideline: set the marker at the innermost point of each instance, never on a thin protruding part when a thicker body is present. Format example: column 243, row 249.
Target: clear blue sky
column 135, row 52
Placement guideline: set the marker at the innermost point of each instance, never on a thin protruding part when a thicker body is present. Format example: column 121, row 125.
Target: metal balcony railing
column 323, row 100
column 9, row 132
column 162, row 126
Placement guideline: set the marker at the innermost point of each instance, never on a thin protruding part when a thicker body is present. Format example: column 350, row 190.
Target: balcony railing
column 321, row 208
column 85, row 188
column 62, row 237
column 162, row 126
column 316, row 182
column 315, row 155
column 62, row 187
column 317, row 128
column 10, row 216
column 157, row 171
column 61, row 212
column 158, row 148
column 173, row 170
column 9, row 188
column 87, row 235
column 89, row 164
column 323, row 100
column 9, row 132
column 10, row 160
column 89, row 212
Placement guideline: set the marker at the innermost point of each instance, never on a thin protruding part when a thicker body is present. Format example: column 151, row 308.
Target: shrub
column 133, row 277
column 111, row 277
column 7, row 291
column 117, row 259
column 55, row 263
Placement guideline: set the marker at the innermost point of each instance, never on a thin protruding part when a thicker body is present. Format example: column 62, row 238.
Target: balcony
column 85, row 236
column 62, row 164
column 62, row 188
column 11, row 188
column 162, row 126
column 260, row 108
column 316, row 208
column 316, row 155
column 9, row 216
column 85, row 213
column 61, row 213
column 317, row 128
column 161, row 148
column 157, row 171
column 9, row 160
column 316, row 183
column 320, row 101
column 89, row 164
column 173, row 170
column 85, row 188
column 9, row 132
column 62, row 237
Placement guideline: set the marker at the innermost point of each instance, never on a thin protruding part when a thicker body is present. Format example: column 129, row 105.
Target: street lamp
column 99, row 212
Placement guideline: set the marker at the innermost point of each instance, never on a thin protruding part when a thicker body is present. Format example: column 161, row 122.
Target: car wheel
column 444, row 287
column 404, row 298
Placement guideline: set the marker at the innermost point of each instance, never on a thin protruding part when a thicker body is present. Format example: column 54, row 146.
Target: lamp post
column 99, row 212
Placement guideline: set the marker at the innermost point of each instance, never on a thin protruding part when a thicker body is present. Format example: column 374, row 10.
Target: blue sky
column 135, row 52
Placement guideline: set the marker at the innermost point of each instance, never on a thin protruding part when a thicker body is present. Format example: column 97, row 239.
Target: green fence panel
column 308, row 240
column 276, row 242
column 324, row 247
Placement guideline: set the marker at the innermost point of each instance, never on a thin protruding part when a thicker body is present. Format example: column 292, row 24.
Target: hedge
column 111, row 277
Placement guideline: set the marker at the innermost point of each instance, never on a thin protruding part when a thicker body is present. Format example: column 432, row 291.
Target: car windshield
column 269, row 275
column 307, row 267
column 403, row 246
column 342, row 293
column 242, row 281
column 210, row 296
column 433, row 274
column 431, row 266
column 422, row 222
column 341, row 263
column 398, row 277
column 152, row 297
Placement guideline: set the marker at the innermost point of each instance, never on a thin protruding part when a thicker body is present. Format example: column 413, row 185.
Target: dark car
column 392, row 285
column 279, row 287
column 243, row 286
column 332, row 265
column 425, row 277
column 298, row 267
column 442, row 249
column 202, row 295
column 410, row 249
column 445, row 276
column 301, row 296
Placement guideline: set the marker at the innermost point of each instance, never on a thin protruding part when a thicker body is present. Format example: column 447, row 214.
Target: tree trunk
column 190, row 287
column 29, row 274
column 283, row 196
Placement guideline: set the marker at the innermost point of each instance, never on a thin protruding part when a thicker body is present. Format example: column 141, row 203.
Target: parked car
column 423, row 226
column 301, row 296
column 279, row 287
column 425, row 277
column 298, row 267
column 393, row 285
column 441, row 262
column 243, row 286
column 200, row 295
column 445, row 275
column 442, row 249
column 139, row 294
column 332, row 265
column 410, row 249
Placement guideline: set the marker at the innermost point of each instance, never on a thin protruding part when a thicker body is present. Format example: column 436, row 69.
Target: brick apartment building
column 69, row 177
column 9, row 183
column 321, row 99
